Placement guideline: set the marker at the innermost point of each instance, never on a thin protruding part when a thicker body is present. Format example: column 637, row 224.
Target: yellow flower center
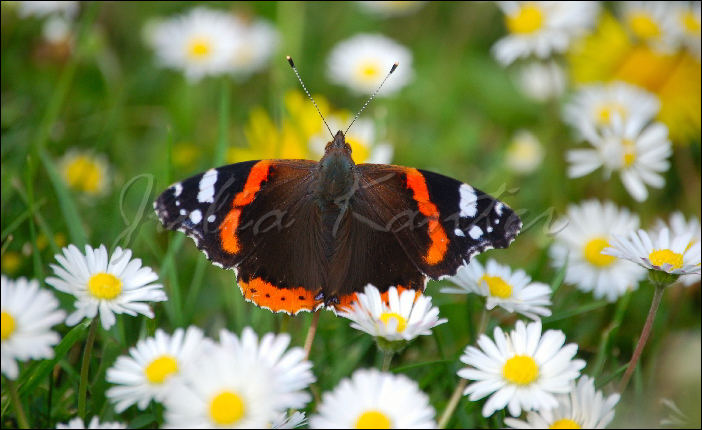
column 199, row 48
column 660, row 257
column 643, row 26
column 690, row 23
column 385, row 317
column 373, row 420
column 607, row 111
column 226, row 408
column 83, row 173
column 520, row 370
column 593, row 252
column 498, row 287
column 368, row 71
column 527, row 20
column 564, row 423
column 629, row 152
column 7, row 325
column 161, row 368
column 104, row 286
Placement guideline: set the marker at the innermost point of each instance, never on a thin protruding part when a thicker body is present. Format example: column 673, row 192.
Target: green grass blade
column 39, row 371
column 70, row 213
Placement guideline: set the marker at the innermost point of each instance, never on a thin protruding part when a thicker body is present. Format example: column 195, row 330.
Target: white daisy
column 583, row 408
column 672, row 255
column 651, row 22
column 147, row 373
column 201, row 42
column 542, row 81
column 514, row 292
column 581, row 235
column 525, row 153
column 639, row 152
column 57, row 29
column 230, row 386
column 108, row 286
column 391, row 8
column 594, row 106
column 374, row 400
column 292, row 372
column 28, row 313
column 255, row 43
column 77, row 423
column 393, row 315
column 688, row 25
column 542, row 28
column 362, row 137
column 362, row 62
column 681, row 227
column 523, row 370
column 295, row 420
column 41, row 9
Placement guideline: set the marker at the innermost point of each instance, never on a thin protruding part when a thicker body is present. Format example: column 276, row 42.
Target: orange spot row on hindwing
column 439, row 240
column 277, row 299
column 227, row 230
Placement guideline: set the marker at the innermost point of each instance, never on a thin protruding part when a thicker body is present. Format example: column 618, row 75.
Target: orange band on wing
column 267, row 295
column 439, row 240
column 227, row 230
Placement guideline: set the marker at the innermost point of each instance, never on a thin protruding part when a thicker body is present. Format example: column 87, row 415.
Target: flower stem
column 310, row 333
column 453, row 403
column 458, row 391
column 22, row 421
column 84, row 367
column 645, row 333
column 387, row 359
column 223, row 122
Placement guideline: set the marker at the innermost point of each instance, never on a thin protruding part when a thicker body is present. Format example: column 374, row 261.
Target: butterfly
column 303, row 235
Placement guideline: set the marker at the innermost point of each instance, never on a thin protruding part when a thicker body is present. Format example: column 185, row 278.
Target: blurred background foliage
column 456, row 117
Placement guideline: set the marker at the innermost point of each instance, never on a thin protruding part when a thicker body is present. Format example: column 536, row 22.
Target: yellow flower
column 609, row 54
column 295, row 135
column 85, row 171
column 11, row 262
column 185, row 154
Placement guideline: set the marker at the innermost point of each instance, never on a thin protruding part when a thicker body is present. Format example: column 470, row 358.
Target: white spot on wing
column 489, row 229
column 177, row 202
column 183, row 212
column 469, row 201
column 196, row 216
column 498, row 208
column 206, row 187
column 475, row 232
column 177, row 189
column 211, row 218
column 459, row 232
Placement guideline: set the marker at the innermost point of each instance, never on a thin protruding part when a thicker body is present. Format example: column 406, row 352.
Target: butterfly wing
column 440, row 222
column 257, row 217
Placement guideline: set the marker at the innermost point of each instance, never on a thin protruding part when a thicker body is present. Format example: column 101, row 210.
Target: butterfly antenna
column 392, row 69
column 292, row 64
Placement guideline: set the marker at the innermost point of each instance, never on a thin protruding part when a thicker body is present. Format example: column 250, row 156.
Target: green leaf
column 560, row 276
column 576, row 311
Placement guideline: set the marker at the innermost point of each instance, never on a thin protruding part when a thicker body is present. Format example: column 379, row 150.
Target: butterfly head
column 336, row 168
column 338, row 144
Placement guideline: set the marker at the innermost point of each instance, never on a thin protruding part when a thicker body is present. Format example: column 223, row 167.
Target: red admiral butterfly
column 304, row 234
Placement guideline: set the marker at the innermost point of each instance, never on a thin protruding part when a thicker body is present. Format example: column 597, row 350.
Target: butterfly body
column 304, row 234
